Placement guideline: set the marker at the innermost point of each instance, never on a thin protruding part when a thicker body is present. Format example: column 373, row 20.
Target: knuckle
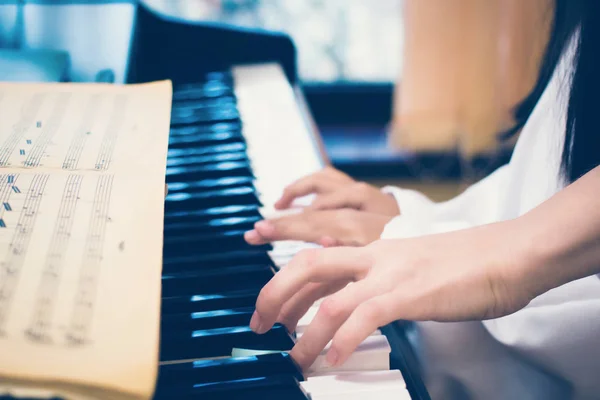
column 286, row 318
column 344, row 341
column 266, row 297
column 328, row 170
column 302, row 354
column 289, row 190
column 372, row 314
column 331, row 309
column 308, row 258
column 361, row 187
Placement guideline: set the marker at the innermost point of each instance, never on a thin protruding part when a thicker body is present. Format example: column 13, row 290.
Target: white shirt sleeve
column 478, row 205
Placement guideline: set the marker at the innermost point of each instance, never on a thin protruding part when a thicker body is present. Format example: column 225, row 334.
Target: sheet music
column 82, row 171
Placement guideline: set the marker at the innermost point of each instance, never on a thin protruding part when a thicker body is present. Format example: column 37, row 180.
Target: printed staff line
column 8, row 180
column 22, row 126
column 27, row 118
column 15, row 257
column 111, row 134
column 44, row 305
column 81, row 317
column 73, row 155
column 49, row 130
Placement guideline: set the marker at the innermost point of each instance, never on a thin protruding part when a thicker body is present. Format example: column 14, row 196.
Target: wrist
column 540, row 256
column 510, row 265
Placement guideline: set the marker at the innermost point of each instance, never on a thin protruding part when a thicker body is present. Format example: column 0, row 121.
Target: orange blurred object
column 467, row 63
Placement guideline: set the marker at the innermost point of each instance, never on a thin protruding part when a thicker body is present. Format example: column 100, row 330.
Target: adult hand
column 472, row 274
column 328, row 228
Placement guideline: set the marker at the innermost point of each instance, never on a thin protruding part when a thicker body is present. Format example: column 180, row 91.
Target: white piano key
column 375, row 394
column 358, row 385
column 371, row 355
column 354, row 382
column 272, row 120
column 308, row 318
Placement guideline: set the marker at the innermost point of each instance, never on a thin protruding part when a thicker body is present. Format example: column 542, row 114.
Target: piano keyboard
column 237, row 138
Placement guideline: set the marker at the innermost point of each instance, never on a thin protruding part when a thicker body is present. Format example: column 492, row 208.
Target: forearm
column 478, row 205
column 561, row 237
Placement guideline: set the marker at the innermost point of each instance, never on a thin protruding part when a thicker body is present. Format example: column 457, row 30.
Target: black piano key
column 214, row 226
column 219, row 127
column 210, row 102
column 178, row 216
column 205, row 371
column 252, row 255
column 209, row 301
column 216, row 280
column 280, row 387
column 219, row 342
column 193, row 243
column 205, row 139
column 211, row 198
column 207, row 150
column 206, row 159
column 221, row 76
column 205, row 90
column 205, row 117
column 202, row 320
column 216, row 170
column 218, row 183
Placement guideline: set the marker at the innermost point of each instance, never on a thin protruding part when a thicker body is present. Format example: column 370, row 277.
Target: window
column 337, row 40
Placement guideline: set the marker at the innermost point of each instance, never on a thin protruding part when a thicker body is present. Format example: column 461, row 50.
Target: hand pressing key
column 336, row 190
column 466, row 275
column 328, row 228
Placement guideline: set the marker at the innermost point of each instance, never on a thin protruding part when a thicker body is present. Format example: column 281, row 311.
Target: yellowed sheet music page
column 82, row 172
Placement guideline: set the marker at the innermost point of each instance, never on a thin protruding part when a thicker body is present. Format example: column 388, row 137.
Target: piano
column 240, row 132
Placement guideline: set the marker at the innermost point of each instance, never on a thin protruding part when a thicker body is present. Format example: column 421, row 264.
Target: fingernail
column 255, row 323
column 265, row 228
column 251, row 236
column 332, row 358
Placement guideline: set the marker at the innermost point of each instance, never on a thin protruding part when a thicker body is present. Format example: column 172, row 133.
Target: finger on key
column 293, row 227
column 332, row 314
column 312, row 265
column 366, row 319
column 343, row 198
column 296, row 307
column 316, row 183
column 304, row 227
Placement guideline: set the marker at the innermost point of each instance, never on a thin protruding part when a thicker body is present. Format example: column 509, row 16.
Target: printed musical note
column 50, row 127
column 23, row 125
column 14, row 259
column 111, row 134
column 81, row 317
column 76, row 147
column 43, row 311
column 87, row 184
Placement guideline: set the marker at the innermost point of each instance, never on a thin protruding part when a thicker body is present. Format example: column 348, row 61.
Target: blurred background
column 411, row 92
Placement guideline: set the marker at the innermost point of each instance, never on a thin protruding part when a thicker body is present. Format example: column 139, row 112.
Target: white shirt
column 551, row 348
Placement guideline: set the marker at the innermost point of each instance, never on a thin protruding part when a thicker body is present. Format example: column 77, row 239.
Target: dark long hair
column 581, row 152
